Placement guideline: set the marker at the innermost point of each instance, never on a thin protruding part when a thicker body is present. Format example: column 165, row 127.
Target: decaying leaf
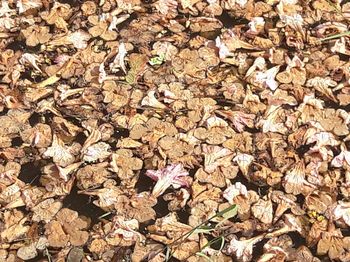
column 189, row 130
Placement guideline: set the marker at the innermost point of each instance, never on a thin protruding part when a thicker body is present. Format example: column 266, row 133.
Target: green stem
column 189, row 233
column 336, row 36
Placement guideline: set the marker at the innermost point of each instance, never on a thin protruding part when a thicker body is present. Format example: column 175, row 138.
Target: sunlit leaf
column 227, row 213
column 137, row 63
column 203, row 229
column 157, row 60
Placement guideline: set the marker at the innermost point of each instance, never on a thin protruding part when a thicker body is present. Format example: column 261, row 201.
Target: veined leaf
column 137, row 63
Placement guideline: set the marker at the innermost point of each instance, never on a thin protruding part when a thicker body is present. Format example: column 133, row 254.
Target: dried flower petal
column 243, row 249
column 61, row 154
column 98, row 151
column 342, row 211
column 174, row 175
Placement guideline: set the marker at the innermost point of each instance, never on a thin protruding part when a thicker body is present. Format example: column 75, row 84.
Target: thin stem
column 104, row 215
column 335, row 36
column 185, row 236
column 47, row 254
column 214, row 240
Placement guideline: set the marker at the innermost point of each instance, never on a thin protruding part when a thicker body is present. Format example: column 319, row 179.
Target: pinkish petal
column 180, row 181
column 347, row 157
column 153, row 174
column 171, row 175
column 338, row 160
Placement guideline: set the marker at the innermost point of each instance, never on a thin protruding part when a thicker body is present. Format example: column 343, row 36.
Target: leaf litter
column 174, row 130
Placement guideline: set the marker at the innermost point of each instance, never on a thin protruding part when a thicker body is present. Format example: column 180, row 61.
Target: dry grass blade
column 225, row 214
column 335, row 36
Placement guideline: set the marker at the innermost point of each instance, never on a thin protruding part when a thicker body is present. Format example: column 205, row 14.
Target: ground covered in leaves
column 174, row 130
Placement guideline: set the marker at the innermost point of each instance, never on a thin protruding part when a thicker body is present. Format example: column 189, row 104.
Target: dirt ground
column 174, row 130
